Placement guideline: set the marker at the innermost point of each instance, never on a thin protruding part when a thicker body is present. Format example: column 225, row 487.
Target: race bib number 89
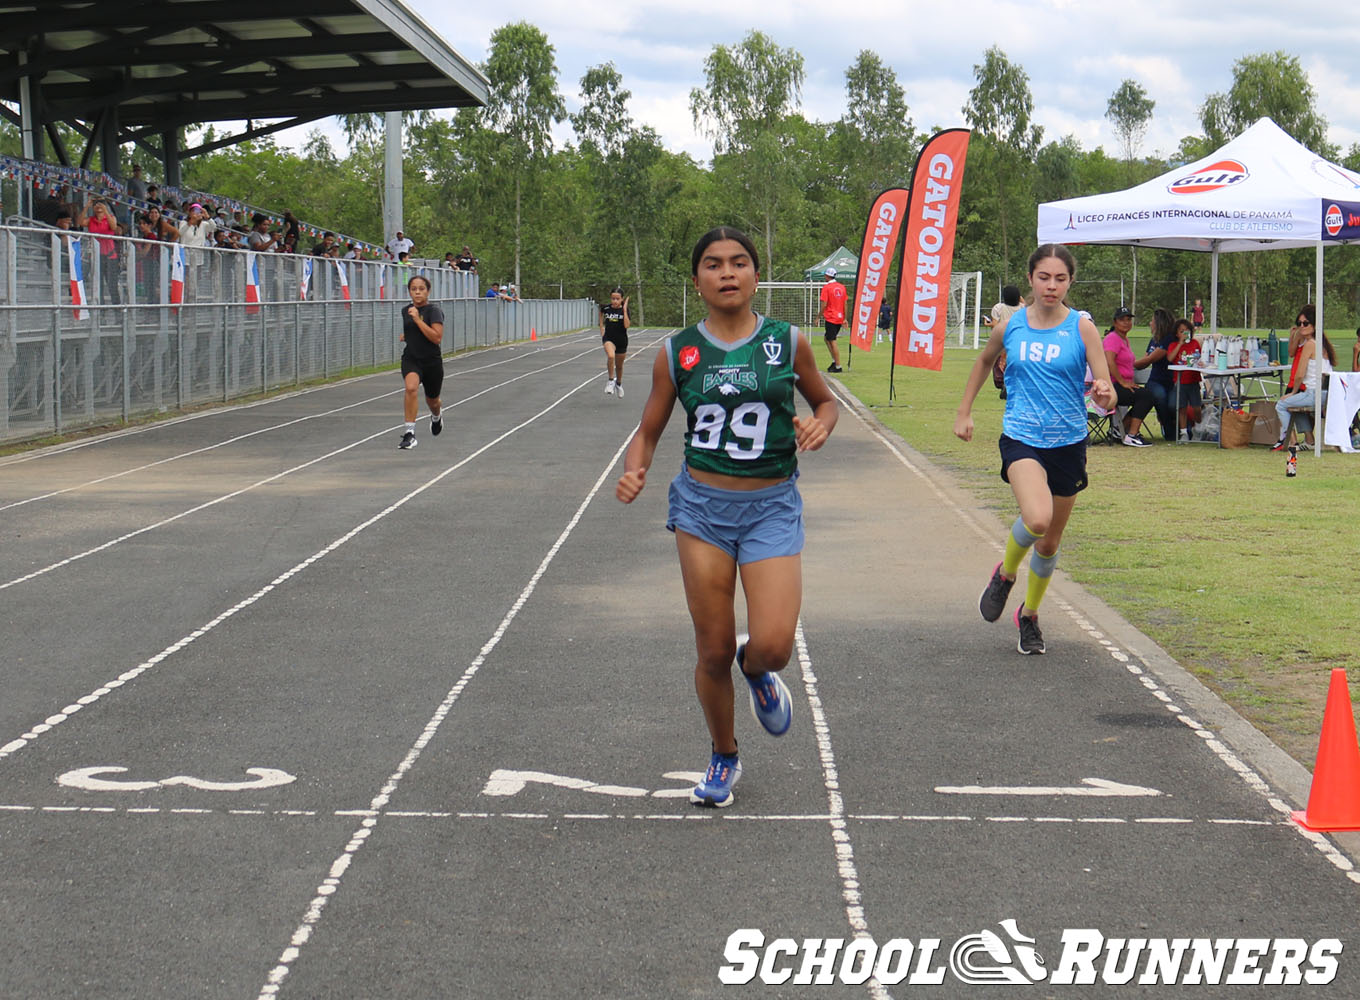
column 745, row 429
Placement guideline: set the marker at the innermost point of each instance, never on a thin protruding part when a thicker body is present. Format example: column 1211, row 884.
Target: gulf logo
column 1224, row 173
column 1333, row 220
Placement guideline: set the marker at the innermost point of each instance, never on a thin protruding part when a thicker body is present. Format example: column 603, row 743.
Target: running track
column 287, row 712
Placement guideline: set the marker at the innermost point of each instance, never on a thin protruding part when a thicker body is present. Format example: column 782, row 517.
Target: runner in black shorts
column 614, row 324
column 422, row 330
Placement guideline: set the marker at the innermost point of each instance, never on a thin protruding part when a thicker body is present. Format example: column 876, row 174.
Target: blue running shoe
column 716, row 789
column 771, row 704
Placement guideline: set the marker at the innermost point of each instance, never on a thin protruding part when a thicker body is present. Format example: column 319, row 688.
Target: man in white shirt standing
column 399, row 245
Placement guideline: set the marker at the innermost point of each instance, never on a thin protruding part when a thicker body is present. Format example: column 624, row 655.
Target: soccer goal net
column 799, row 303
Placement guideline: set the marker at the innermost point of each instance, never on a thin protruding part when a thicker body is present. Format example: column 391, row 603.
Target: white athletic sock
column 411, row 427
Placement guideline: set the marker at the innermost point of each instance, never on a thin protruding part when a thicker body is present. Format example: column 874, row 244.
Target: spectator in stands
column 289, row 243
column 399, row 245
column 227, row 239
column 67, row 222
column 151, row 225
column 465, row 261
column 448, row 259
column 355, row 252
column 292, row 230
column 261, row 238
column 511, row 294
column 102, row 223
column 198, row 229
column 46, row 207
column 403, row 258
column 153, row 195
column 494, row 292
column 324, row 248
column 136, row 185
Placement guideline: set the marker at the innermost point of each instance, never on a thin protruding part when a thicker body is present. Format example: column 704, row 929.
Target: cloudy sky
column 1076, row 52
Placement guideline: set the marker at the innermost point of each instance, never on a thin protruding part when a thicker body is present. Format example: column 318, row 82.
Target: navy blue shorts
column 749, row 525
column 1065, row 466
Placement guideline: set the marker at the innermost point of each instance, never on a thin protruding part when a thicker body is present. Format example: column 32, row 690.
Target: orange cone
column 533, row 334
column 1334, row 799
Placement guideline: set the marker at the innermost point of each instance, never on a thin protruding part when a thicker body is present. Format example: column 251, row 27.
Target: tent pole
column 1319, row 354
column 1213, row 290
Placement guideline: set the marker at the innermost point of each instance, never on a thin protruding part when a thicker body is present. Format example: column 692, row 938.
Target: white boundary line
column 13, row 746
column 331, row 884
column 845, row 852
column 706, row 816
column 1220, row 749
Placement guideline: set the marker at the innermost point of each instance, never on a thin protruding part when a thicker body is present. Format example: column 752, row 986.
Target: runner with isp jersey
column 735, row 507
column 614, row 324
column 1043, row 440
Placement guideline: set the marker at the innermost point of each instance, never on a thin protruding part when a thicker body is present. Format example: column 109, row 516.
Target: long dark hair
column 1309, row 312
column 1163, row 327
column 722, row 233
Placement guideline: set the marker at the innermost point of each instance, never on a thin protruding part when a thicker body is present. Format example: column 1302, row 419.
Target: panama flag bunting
column 881, row 235
column 928, row 251
column 179, row 259
column 344, row 281
column 382, row 281
column 252, row 282
column 306, row 278
column 78, row 298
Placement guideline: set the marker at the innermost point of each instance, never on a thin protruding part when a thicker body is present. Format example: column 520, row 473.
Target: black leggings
column 1139, row 400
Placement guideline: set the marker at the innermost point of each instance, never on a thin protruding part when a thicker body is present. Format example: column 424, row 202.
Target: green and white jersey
column 738, row 399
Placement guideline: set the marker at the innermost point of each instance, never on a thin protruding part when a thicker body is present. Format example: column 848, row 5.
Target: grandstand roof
column 162, row 65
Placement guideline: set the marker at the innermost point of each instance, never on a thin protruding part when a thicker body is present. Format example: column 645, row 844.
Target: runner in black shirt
column 422, row 325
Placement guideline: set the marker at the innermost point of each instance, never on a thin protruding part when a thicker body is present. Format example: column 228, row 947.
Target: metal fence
column 154, row 337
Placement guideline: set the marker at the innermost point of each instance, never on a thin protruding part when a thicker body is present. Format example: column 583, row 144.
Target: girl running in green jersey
column 735, row 507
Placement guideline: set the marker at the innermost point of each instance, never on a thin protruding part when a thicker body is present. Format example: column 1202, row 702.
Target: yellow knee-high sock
column 1040, row 573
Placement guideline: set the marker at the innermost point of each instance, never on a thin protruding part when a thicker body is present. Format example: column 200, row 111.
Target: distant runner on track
column 735, row 507
column 422, row 330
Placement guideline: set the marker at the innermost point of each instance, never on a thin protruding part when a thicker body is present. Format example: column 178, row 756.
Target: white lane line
column 1249, row 776
column 52, row 721
column 328, row 887
column 845, row 852
column 689, row 814
column 263, row 482
column 282, row 397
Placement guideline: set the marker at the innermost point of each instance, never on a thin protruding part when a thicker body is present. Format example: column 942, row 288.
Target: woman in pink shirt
column 1119, row 358
column 102, row 223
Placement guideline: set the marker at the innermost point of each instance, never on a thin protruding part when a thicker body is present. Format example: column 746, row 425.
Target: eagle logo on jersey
column 730, row 380
column 774, row 350
column 689, row 357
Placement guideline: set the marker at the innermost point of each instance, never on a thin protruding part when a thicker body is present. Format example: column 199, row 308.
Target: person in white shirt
column 197, row 231
column 400, row 245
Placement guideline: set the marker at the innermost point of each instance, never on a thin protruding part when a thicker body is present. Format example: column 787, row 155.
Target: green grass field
column 1236, row 571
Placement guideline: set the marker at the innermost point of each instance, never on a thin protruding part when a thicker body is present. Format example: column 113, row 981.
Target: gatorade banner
column 875, row 259
column 344, row 281
column 252, row 282
column 178, row 260
column 78, row 296
column 928, row 254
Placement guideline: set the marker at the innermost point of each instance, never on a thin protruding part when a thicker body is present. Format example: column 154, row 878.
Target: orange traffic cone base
column 1334, row 799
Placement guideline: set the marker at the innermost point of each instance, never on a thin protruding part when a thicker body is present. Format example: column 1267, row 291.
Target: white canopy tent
column 1261, row 191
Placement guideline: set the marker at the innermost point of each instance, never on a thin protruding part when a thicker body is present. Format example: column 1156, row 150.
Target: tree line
column 615, row 207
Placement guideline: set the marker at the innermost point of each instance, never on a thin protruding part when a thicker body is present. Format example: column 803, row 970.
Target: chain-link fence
column 101, row 329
